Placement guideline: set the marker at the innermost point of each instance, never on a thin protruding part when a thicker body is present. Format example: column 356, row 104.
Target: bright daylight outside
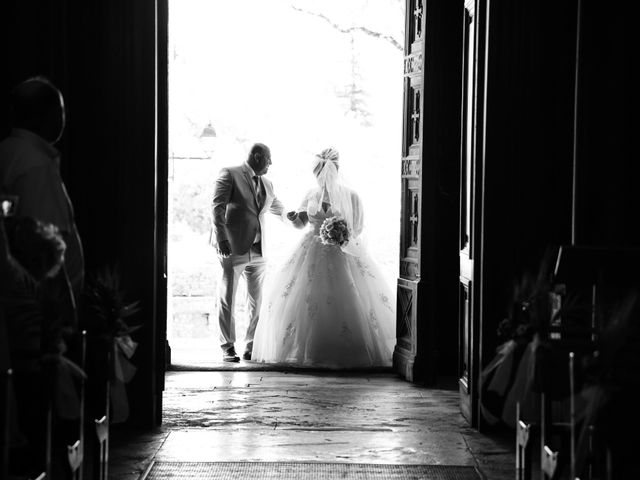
column 299, row 76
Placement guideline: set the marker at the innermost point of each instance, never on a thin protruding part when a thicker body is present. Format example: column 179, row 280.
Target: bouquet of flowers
column 334, row 231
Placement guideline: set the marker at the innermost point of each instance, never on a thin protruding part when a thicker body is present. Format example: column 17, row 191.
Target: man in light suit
column 241, row 197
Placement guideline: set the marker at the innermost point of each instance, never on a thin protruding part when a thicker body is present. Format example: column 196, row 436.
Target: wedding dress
column 328, row 307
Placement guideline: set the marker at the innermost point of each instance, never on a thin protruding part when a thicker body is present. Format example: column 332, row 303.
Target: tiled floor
column 308, row 416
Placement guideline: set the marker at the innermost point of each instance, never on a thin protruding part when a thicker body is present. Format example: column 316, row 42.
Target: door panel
column 406, row 329
column 468, row 167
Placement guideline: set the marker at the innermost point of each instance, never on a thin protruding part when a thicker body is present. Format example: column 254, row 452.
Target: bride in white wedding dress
column 329, row 305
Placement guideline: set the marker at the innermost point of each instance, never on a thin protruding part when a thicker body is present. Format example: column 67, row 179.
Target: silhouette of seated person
column 36, row 315
column 30, row 166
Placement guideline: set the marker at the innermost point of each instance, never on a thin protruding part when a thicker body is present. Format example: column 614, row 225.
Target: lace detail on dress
column 290, row 330
column 385, row 301
column 364, row 269
column 373, row 319
column 312, row 308
column 291, row 261
column 287, row 288
column 311, row 273
column 294, row 256
column 331, row 271
column 345, row 331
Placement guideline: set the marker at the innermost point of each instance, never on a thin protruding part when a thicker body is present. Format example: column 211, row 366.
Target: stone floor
column 312, row 417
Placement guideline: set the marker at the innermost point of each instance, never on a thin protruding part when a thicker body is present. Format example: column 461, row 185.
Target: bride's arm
column 300, row 218
column 358, row 214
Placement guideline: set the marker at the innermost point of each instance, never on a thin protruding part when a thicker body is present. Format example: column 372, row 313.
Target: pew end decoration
column 106, row 321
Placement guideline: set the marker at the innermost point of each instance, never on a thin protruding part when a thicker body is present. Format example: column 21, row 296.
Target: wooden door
column 469, row 194
column 406, row 328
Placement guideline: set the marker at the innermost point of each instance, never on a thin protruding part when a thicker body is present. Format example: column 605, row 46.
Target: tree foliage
column 354, row 93
column 191, row 206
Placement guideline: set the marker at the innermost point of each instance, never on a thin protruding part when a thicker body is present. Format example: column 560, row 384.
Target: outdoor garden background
column 299, row 76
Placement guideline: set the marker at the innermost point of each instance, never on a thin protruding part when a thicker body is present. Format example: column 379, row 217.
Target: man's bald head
column 37, row 105
column 259, row 158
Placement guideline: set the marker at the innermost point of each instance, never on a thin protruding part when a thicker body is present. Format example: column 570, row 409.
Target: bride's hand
column 298, row 219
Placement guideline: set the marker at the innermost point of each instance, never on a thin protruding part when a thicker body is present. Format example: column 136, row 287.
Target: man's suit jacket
column 236, row 214
column 29, row 168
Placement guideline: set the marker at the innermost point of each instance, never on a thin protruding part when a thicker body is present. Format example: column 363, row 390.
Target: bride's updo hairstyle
column 328, row 154
column 343, row 201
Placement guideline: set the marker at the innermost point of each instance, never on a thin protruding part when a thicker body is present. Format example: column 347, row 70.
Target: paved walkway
column 309, row 416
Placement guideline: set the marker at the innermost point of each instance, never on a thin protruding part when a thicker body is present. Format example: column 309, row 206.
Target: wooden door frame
column 162, row 200
column 427, row 335
column 405, row 352
column 469, row 247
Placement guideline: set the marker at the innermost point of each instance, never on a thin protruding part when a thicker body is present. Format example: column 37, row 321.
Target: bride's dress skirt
column 326, row 308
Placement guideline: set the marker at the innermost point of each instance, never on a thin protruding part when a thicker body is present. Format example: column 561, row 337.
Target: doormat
column 305, row 471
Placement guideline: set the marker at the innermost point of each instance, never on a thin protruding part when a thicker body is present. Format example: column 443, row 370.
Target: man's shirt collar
column 251, row 171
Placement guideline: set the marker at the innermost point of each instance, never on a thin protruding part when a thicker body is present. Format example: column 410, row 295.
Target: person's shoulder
column 15, row 145
column 233, row 170
column 224, row 172
column 22, row 155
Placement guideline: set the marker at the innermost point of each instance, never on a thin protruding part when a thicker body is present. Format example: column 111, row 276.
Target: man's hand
column 224, row 248
column 291, row 216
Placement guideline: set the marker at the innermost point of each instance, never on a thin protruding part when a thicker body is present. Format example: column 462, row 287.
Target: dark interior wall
column 113, row 142
column 34, row 42
column 529, row 152
column 528, row 148
column 607, row 198
column 102, row 55
column 438, row 326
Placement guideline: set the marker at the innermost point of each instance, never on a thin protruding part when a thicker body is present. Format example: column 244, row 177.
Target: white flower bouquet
column 334, row 231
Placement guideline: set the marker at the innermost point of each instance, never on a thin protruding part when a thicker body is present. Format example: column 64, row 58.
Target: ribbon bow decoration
column 123, row 371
